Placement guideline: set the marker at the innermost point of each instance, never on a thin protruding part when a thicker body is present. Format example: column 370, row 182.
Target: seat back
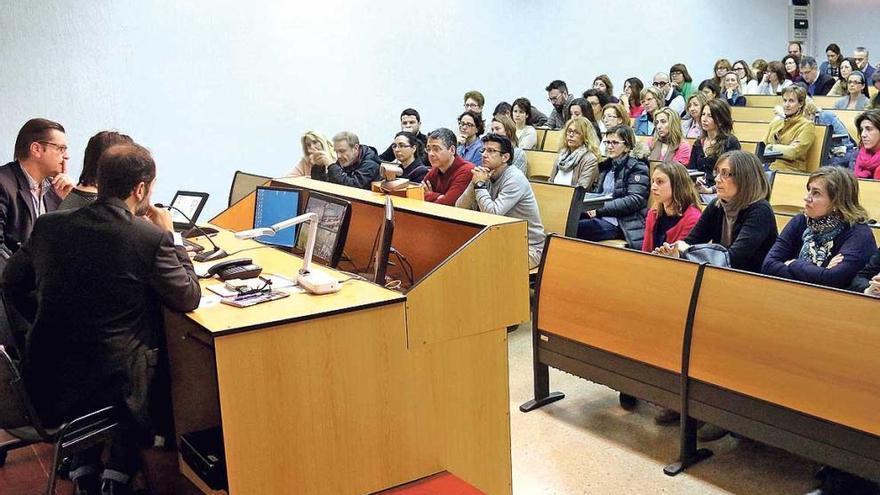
column 763, row 100
column 848, row 118
column 15, row 410
column 559, row 207
column 752, row 114
column 817, row 155
column 552, row 140
column 244, row 183
column 540, row 164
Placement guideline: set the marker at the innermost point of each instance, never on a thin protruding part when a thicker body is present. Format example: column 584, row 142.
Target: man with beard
column 93, row 281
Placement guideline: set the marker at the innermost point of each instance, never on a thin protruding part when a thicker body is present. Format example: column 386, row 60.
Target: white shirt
column 563, row 177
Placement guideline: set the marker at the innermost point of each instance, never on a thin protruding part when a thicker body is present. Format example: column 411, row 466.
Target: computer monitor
column 383, row 247
column 334, row 215
column 190, row 203
column 273, row 205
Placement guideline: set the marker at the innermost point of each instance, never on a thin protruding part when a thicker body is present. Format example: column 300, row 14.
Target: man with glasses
column 450, row 174
column 34, row 183
column 818, row 83
column 672, row 98
column 557, row 95
column 500, row 189
column 860, row 54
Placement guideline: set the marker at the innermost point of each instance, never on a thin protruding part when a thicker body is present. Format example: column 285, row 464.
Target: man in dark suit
column 818, row 83
column 100, row 276
column 33, row 184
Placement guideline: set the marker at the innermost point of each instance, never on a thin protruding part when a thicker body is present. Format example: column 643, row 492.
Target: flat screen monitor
column 334, row 215
column 273, row 205
column 383, row 246
column 190, row 203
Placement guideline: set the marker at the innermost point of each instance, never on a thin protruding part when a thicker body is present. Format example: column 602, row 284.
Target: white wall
column 849, row 23
column 212, row 86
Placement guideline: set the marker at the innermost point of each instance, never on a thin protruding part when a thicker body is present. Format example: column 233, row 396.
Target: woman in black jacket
column 625, row 179
column 717, row 139
column 740, row 218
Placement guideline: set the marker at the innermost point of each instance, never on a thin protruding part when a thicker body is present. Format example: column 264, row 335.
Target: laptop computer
column 189, row 202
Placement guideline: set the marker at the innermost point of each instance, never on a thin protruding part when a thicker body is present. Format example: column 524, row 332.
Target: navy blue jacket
column 855, row 243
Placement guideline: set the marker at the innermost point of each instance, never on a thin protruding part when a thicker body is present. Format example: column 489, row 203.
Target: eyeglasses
column 855, row 81
column 466, row 124
column 612, row 143
column 738, row 69
column 723, row 174
column 573, row 132
column 471, row 105
column 61, row 148
column 554, row 99
column 396, row 146
column 489, row 150
column 434, row 149
column 676, row 72
column 660, row 84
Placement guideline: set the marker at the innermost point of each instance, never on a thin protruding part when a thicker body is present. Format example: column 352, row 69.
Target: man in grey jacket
column 500, row 189
column 557, row 94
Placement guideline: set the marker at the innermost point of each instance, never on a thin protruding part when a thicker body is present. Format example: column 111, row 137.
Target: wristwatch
column 481, row 185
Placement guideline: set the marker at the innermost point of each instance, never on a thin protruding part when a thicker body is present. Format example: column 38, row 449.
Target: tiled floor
column 583, row 444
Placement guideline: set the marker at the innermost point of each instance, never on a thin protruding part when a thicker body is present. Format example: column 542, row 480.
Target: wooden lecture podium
column 368, row 388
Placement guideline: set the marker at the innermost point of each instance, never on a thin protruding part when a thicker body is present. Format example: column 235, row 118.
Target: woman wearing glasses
column 855, row 98
column 624, row 177
column 748, row 85
column 577, row 161
column 792, row 64
column 652, row 100
column 722, row 67
column 840, row 88
column 681, row 80
column 717, row 138
column 668, row 145
column 470, row 128
column 474, row 101
column 409, row 152
column 830, row 241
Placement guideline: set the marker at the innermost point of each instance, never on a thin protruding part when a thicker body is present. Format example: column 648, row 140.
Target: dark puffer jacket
column 630, row 203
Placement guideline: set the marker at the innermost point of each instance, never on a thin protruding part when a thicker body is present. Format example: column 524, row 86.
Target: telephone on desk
column 242, row 268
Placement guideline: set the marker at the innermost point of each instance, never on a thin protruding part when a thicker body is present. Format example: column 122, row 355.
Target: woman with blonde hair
column 830, row 241
column 503, row 125
column 690, row 124
column 317, row 150
column 732, row 90
column 667, row 144
column 577, row 162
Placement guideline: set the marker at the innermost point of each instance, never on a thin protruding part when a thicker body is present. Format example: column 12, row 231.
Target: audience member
column 709, row 89
column 759, row 67
column 875, row 88
column 676, row 206
column 721, row 67
column 860, row 55
column 793, row 135
column 691, row 126
column 631, row 97
column 818, row 83
column 866, row 163
column 717, row 138
column 623, row 177
column 795, row 49
column 843, row 149
column 33, row 183
column 95, row 341
column 603, row 84
column 792, row 68
column 409, row 152
column 841, row 86
column 831, row 67
column 732, row 94
column 470, row 128
column 672, row 98
column 357, row 165
column 867, row 281
column 504, row 109
column 522, row 114
column 667, row 144
column 317, row 150
column 557, row 95
column 86, row 190
column 855, row 98
column 597, row 100
column 474, row 101
column 501, row 189
column 578, row 157
column 652, row 100
column 774, row 80
column 830, row 241
column 503, row 126
column 580, row 107
column 410, row 121
column 740, row 218
column 681, row 80
column 613, row 114
column 449, row 174
column 748, row 85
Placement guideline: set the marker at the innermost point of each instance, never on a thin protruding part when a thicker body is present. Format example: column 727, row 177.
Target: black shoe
column 87, row 484
column 113, row 487
column 627, row 402
column 667, row 417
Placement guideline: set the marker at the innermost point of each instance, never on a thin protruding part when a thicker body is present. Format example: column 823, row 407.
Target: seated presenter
column 357, row 165
column 502, row 189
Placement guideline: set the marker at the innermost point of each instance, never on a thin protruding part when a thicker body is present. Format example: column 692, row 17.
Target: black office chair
column 18, row 418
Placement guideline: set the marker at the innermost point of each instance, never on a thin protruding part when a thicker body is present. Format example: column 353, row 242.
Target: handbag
column 712, row 254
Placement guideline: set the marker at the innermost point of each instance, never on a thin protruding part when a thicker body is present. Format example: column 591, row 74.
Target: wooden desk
column 368, row 388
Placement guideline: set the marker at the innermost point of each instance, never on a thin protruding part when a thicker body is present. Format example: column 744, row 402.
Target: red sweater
column 676, row 233
column 448, row 186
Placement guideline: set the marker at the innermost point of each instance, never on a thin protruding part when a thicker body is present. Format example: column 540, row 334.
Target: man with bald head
column 673, row 99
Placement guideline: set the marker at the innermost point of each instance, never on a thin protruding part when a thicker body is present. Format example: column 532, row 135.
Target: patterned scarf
column 819, row 238
column 568, row 159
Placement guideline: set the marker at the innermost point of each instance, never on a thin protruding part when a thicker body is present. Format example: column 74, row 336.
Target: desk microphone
column 212, row 255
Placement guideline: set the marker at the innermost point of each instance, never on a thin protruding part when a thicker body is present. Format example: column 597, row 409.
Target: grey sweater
column 511, row 195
